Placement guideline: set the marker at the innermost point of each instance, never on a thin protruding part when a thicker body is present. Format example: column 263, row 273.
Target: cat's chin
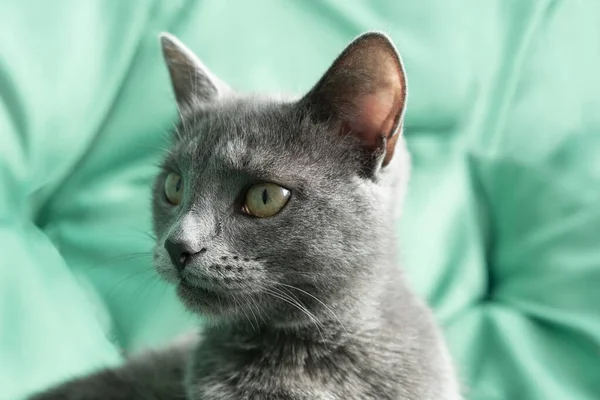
column 206, row 301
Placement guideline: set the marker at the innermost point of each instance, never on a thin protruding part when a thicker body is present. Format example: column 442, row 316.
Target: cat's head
column 265, row 209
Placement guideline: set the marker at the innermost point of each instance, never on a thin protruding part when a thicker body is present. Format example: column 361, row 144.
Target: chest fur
column 294, row 373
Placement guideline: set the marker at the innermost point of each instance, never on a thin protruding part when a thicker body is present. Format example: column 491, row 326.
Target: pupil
column 265, row 197
column 178, row 185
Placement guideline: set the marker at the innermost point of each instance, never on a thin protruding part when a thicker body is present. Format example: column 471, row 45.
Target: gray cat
column 275, row 219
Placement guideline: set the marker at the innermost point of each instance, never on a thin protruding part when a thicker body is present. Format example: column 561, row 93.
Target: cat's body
column 308, row 301
column 373, row 359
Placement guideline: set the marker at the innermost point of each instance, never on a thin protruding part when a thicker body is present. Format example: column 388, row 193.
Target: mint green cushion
column 501, row 230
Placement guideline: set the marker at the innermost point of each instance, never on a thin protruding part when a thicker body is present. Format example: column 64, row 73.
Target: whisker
column 249, row 302
column 142, row 278
column 280, row 295
column 290, row 295
column 314, row 297
column 130, row 256
column 246, row 315
column 315, row 277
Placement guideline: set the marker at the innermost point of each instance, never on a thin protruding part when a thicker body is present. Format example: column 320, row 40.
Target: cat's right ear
column 193, row 84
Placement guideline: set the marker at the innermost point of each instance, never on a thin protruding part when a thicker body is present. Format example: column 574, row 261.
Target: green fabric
column 502, row 221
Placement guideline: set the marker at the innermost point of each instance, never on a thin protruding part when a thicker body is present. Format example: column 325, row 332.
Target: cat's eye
column 174, row 188
column 265, row 200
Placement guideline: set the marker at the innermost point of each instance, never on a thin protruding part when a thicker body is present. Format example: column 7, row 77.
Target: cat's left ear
column 364, row 94
column 193, row 83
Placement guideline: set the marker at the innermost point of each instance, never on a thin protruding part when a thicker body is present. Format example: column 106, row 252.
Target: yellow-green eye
column 265, row 199
column 174, row 188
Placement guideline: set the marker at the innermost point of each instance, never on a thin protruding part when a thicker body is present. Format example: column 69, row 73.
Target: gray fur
column 309, row 303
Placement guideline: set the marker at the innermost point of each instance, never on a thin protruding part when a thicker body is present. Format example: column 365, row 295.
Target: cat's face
column 266, row 209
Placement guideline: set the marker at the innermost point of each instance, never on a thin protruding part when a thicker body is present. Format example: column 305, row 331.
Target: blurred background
column 501, row 231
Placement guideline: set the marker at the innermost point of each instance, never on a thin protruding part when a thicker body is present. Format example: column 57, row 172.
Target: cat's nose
column 181, row 251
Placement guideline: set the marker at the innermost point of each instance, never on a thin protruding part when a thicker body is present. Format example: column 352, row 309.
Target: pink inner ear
column 375, row 116
column 365, row 90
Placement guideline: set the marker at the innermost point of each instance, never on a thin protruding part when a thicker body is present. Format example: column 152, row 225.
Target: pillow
column 502, row 218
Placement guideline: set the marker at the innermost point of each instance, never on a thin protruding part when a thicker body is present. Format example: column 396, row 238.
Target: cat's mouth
column 186, row 289
column 201, row 299
column 210, row 296
column 201, row 286
column 219, row 283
